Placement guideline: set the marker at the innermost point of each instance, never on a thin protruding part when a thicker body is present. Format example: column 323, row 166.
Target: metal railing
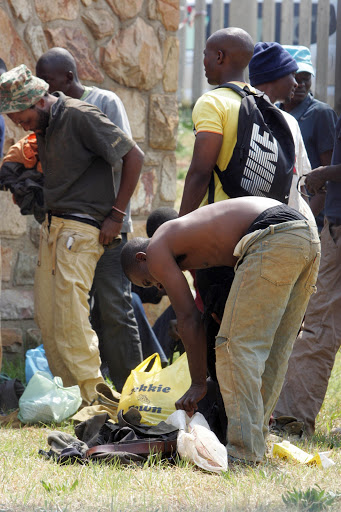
column 312, row 23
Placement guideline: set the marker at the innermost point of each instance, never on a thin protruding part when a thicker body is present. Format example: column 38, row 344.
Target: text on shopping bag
column 153, row 390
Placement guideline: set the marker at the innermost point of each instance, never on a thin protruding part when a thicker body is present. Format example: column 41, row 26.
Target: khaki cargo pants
column 68, row 254
column 275, row 277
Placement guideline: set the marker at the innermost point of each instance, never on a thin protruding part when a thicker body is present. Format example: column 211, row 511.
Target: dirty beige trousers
column 314, row 352
column 275, row 277
column 68, row 255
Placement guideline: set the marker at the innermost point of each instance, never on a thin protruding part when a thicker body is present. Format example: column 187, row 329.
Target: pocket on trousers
column 221, row 358
column 278, row 263
column 76, row 243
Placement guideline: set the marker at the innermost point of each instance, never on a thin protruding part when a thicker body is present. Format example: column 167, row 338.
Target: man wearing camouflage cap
column 77, row 146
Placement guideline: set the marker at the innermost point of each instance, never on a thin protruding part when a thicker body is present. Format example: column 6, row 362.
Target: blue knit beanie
column 270, row 61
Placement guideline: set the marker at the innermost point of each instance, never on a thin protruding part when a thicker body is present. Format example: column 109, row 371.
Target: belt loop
column 272, row 229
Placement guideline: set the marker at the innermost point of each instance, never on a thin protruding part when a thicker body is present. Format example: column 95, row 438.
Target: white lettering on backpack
column 260, row 166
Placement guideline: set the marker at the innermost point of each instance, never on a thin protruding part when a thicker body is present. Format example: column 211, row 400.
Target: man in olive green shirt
column 77, row 146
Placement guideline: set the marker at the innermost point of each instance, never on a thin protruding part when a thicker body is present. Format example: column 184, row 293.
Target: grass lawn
column 30, row 483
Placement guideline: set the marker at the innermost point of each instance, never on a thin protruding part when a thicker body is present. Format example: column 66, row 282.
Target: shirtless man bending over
column 275, row 252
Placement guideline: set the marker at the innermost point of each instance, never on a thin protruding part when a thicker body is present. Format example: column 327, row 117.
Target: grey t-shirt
column 77, row 153
column 111, row 105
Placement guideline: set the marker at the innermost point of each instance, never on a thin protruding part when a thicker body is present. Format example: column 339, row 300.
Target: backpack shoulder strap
column 235, row 88
column 243, row 92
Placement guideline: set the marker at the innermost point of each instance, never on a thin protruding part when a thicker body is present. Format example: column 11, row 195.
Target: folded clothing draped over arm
column 21, row 173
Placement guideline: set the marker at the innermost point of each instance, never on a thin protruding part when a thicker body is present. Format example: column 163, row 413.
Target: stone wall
column 128, row 46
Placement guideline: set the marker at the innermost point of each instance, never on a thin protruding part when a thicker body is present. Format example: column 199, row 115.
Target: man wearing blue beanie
column 269, row 63
column 272, row 70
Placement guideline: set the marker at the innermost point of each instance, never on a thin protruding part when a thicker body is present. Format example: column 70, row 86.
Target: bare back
column 207, row 237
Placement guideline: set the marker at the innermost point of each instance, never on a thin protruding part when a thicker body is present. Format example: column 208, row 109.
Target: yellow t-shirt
column 217, row 111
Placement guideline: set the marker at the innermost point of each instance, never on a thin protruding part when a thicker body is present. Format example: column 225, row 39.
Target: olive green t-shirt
column 77, row 153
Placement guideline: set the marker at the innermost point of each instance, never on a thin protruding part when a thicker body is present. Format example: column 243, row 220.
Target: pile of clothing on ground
column 100, row 438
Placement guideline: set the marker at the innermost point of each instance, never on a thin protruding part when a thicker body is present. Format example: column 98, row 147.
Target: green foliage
column 326, row 439
column 14, row 369
column 109, row 382
column 181, row 174
column 311, row 500
column 59, row 488
column 185, row 118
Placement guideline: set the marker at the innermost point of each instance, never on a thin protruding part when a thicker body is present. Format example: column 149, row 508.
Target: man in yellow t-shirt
column 216, row 112
column 215, row 115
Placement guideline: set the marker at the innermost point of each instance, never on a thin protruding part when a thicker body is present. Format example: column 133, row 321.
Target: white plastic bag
column 46, row 400
column 197, row 443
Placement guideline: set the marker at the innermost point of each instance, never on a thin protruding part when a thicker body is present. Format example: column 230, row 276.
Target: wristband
column 119, row 211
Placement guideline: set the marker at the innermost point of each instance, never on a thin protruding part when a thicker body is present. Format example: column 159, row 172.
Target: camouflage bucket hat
column 19, row 90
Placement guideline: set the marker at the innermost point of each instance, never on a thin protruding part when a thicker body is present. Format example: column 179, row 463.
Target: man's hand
column 109, row 230
column 315, row 180
column 189, row 400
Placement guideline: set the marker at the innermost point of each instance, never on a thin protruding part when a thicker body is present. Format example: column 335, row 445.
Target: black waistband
column 275, row 215
column 84, row 220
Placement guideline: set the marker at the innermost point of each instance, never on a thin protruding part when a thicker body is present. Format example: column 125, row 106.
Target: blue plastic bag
column 35, row 361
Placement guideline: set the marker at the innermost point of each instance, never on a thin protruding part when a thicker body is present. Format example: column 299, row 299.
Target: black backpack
column 264, row 155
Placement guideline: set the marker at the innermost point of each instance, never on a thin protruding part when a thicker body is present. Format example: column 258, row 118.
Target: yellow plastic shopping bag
column 155, row 392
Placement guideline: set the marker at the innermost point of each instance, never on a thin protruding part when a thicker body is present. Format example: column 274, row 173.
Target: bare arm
column 190, row 326
column 192, row 334
column 205, row 153
column 131, row 169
